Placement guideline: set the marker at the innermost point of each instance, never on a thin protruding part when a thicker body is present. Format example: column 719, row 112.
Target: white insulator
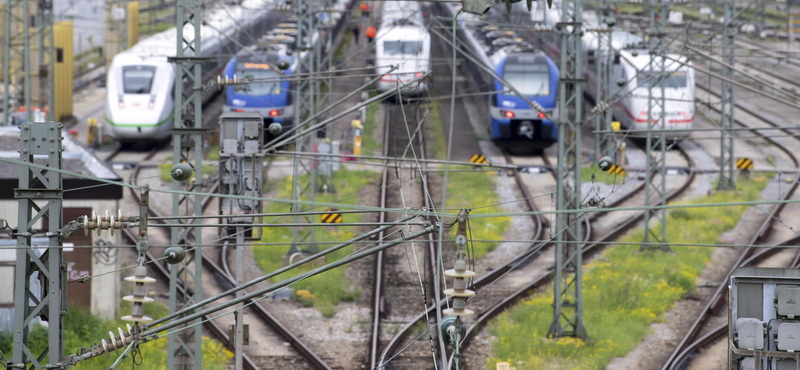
column 133, row 298
column 144, row 280
column 114, row 342
column 107, row 217
column 94, row 216
column 123, row 338
column 132, row 318
column 455, row 312
column 459, row 274
column 119, row 214
column 85, row 225
column 104, row 344
column 111, row 225
column 465, row 293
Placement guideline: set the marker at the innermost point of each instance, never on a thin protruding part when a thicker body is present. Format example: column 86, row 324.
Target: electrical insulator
column 460, row 273
column 140, row 278
column 106, row 222
column 115, row 343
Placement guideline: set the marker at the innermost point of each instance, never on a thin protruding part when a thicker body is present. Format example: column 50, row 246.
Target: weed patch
column 469, row 189
column 331, row 287
column 599, row 176
column 624, row 292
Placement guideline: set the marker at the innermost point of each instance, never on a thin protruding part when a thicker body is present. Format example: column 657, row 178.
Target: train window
column 676, row 79
column 256, row 71
column 530, row 79
column 402, row 47
column 137, row 79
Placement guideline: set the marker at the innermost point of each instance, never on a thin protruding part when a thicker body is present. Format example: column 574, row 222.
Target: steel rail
column 163, row 271
column 270, row 320
column 377, row 291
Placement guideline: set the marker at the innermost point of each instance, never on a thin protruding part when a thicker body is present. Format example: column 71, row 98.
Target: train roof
column 642, row 59
column 402, row 32
column 218, row 20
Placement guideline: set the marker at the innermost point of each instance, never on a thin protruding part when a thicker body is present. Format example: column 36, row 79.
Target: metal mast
column 46, row 57
column 119, row 13
column 655, row 233
column 304, row 107
column 726, row 117
column 184, row 350
column 16, row 49
column 604, row 60
column 568, row 301
column 40, row 277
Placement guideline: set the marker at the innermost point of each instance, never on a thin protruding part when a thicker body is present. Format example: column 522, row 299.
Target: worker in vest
column 364, row 10
column 371, row 32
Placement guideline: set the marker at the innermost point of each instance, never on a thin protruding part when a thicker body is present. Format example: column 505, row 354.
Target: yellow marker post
column 91, row 132
column 615, row 126
column 356, row 124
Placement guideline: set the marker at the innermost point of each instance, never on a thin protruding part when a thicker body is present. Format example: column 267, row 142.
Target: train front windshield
column 137, row 79
column 268, row 82
column 531, row 79
column 675, row 80
column 402, row 47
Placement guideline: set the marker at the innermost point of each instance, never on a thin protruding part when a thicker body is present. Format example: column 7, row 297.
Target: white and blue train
column 273, row 97
column 513, row 123
column 141, row 82
column 402, row 41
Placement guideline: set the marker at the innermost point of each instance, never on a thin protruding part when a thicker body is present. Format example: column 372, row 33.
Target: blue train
column 272, row 96
column 513, row 124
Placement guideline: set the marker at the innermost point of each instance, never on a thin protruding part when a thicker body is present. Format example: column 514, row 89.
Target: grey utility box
column 749, row 333
column 787, row 364
column 787, row 301
column 763, row 333
column 788, row 336
column 241, row 162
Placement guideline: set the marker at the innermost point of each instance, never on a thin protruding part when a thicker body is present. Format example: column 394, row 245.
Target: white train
column 140, row 81
column 632, row 64
column 403, row 41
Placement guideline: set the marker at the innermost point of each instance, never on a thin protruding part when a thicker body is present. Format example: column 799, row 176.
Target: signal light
column 274, row 113
column 541, row 115
column 418, row 74
column 122, row 104
column 239, row 111
column 151, row 105
column 509, row 114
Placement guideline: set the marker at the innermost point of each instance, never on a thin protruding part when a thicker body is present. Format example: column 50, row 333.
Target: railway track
column 396, row 143
column 693, row 339
column 314, row 360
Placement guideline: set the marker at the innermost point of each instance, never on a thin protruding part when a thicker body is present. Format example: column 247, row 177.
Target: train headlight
column 151, row 105
column 274, row 113
column 122, row 105
column 508, row 114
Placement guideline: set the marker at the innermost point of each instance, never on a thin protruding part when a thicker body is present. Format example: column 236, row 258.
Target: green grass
column 475, row 189
column 331, row 287
column 83, row 329
column 624, row 292
column 599, row 176
column 369, row 145
column 434, row 121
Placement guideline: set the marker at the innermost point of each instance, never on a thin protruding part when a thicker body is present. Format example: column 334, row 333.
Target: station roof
column 75, row 158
